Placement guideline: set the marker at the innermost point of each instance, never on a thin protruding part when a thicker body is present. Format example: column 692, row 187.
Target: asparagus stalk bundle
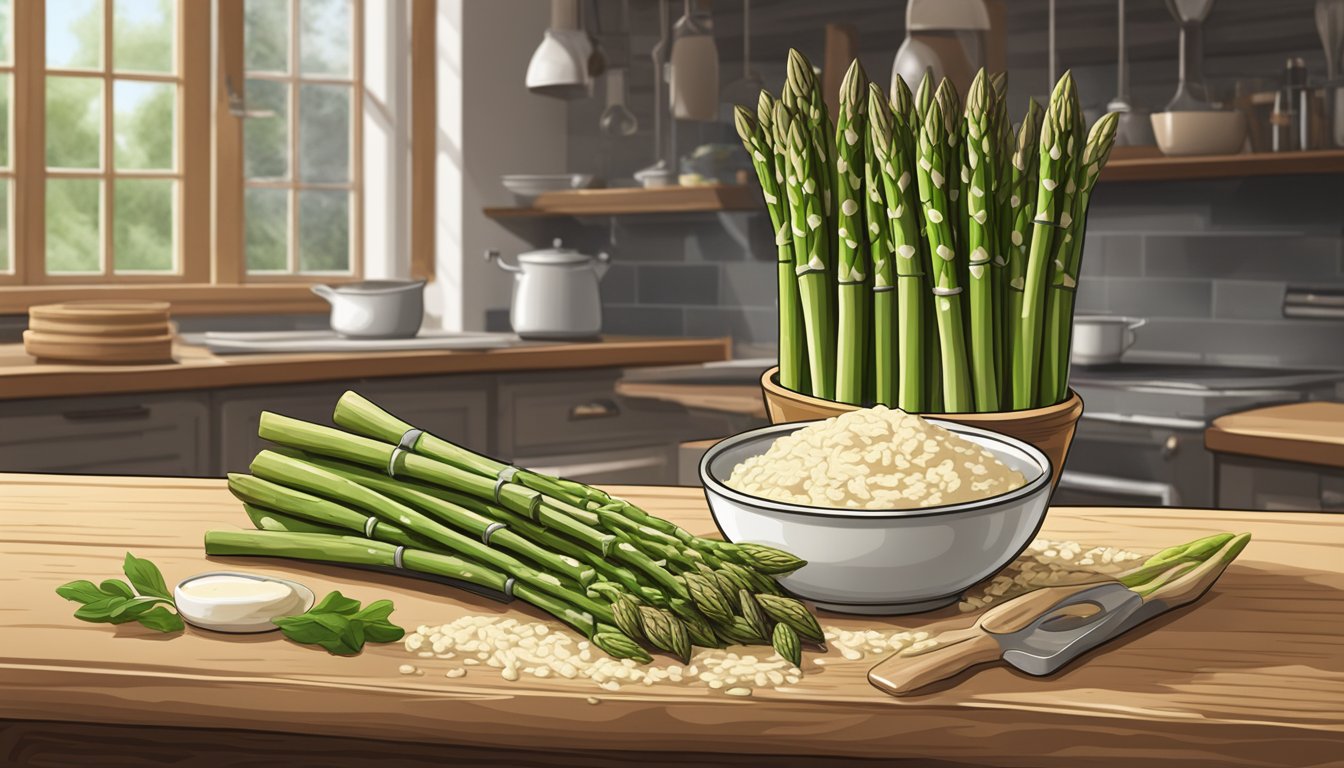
column 933, row 247
column 386, row 495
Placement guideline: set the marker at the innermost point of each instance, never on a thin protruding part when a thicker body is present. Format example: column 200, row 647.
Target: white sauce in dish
column 239, row 602
column 236, row 587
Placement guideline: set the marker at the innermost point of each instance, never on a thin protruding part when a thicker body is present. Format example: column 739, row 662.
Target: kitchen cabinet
column 161, row 434
column 1245, row 482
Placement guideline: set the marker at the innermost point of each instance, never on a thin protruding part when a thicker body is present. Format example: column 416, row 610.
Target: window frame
column 209, row 54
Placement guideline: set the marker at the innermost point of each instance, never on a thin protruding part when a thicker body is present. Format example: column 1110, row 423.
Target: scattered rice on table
column 526, row 649
column 874, row 458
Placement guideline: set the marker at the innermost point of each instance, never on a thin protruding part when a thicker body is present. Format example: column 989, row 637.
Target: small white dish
column 239, row 613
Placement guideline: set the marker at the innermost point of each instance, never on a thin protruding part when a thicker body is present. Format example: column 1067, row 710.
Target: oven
column 1121, row 460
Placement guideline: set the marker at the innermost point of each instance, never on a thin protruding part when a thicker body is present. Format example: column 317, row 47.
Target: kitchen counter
column 197, row 368
column 1250, row 676
column 1310, row 433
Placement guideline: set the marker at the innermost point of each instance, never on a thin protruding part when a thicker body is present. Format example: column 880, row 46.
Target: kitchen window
column 208, row 153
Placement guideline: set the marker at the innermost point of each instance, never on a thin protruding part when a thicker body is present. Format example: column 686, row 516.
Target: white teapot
column 555, row 292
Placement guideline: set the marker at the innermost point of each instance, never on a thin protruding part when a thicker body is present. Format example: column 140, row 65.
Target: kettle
column 555, row 292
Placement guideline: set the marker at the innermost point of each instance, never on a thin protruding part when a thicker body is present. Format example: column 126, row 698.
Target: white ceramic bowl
column 884, row 561
column 239, row 614
column 1199, row 133
column 527, row 186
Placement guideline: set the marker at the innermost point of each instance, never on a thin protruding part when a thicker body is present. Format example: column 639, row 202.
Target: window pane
column 6, row 31
column 324, row 36
column 324, row 133
column 75, row 34
column 266, row 217
column 266, row 35
column 266, row 139
column 143, row 124
column 74, row 213
column 324, row 231
column 142, row 225
column 142, row 35
column 74, row 122
column 6, row 265
column 5, row 101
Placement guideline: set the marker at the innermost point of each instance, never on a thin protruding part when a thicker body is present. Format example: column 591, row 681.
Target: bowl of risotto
column 893, row 513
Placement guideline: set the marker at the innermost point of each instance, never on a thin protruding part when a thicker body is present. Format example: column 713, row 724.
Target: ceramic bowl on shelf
column 884, row 561
column 526, row 187
column 1199, row 133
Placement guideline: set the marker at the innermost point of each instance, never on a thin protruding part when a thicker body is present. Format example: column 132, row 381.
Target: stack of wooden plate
column 100, row 332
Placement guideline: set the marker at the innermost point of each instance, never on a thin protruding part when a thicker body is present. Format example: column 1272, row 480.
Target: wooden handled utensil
column 1043, row 630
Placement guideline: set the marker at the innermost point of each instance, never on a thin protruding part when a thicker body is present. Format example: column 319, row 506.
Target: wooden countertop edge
column 565, row 721
column 1276, row 432
column 207, row 371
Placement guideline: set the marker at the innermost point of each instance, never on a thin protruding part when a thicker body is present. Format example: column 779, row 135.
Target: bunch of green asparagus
column 385, row 495
column 928, row 253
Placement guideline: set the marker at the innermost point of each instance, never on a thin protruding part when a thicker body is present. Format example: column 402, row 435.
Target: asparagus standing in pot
column 885, row 333
column 1021, row 206
column 947, row 289
column 852, row 259
column 1055, row 173
column 980, row 155
column 890, row 136
column 811, row 254
column 757, row 136
column 1060, row 298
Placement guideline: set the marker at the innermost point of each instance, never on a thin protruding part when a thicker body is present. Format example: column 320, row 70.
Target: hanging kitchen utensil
column 1330, row 24
column 1191, row 93
column 617, row 119
column 559, row 67
column 747, row 88
column 695, row 66
column 1043, row 630
column 1133, row 128
column 662, row 173
column 591, row 23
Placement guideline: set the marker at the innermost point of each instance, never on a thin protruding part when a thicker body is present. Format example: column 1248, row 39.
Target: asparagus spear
column 889, row 135
column 811, row 249
column 980, row 156
column 1060, row 297
column 757, row 135
column 957, row 397
column 1021, row 206
column 933, row 383
column 949, row 101
column 1055, row 164
column 853, row 303
column 1002, row 221
column 886, row 338
column 352, row 550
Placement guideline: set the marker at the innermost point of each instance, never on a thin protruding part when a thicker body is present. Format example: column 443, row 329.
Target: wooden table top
column 195, row 367
column 1311, row 433
column 1253, row 675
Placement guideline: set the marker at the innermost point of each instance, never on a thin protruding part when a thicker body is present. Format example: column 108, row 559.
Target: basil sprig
column 341, row 626
column 145, row 599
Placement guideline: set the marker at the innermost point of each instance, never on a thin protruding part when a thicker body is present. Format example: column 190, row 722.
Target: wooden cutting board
column 121, row 332
column 102, row 313
column 99, row 349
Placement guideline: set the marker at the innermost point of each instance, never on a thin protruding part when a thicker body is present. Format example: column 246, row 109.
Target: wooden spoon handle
column 901, row 675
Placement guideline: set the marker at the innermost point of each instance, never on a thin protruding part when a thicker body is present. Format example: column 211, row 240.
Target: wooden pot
column 1050, row 428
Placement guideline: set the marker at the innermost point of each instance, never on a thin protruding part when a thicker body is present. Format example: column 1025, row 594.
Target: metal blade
column 1061, row 634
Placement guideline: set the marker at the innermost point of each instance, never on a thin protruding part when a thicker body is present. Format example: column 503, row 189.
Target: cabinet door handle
column 123, row 413
column 603, row 408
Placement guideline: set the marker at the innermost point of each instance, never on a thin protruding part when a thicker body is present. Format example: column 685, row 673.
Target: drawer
column 454, row 408
column 557, row 415
column 133, row 434
column 647, row 465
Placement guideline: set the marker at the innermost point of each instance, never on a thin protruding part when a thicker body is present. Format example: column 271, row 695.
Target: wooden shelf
column 634, row 200
column 1160, row 168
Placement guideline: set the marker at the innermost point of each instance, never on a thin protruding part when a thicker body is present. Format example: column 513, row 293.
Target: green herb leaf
column 145, row 577
column 340, row 626
column 335, row 602
column 161, row 619
column 130, row 605
column 116, row 588
column 82, row 591
column 99, row 610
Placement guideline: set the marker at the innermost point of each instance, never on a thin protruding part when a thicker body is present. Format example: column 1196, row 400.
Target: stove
column 1140, row 441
